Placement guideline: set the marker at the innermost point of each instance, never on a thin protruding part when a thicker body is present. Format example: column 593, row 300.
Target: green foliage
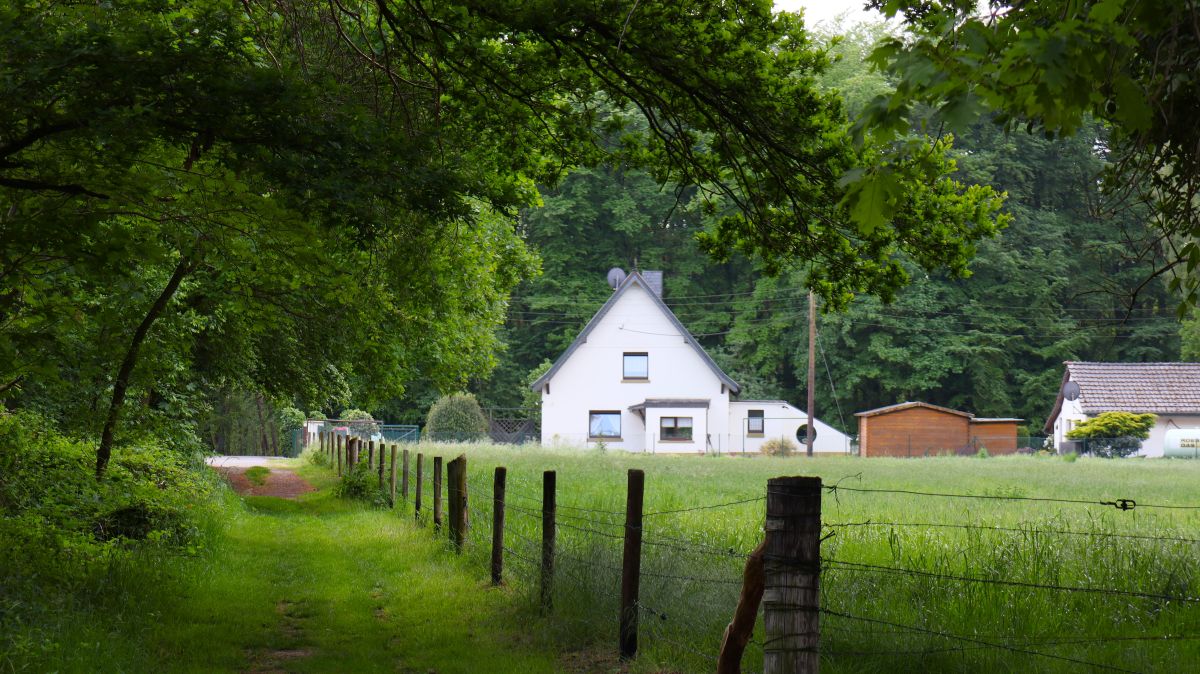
column 1054, row 66
column 1113, row 434
column 456, row 417
column 982, row 453
column 362, row 484
column 317, row 414
column 313, row 455
column 258, row 474
column 779, row 447
column 530, row 399
column 361, row 423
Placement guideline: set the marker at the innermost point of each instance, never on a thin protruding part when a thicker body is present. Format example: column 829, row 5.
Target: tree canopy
column 307, row 199
column 1053, row 65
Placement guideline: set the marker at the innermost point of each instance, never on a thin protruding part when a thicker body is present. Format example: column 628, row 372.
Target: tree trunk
column 121, row 385
column 262, row 425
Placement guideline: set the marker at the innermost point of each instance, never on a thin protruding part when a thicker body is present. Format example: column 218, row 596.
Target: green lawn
column 692, row 560
column 322, row 584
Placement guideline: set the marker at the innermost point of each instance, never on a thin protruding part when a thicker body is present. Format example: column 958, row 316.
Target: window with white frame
column 636, row 366
column 755, row 422
column 675, row 428
column 604, row 424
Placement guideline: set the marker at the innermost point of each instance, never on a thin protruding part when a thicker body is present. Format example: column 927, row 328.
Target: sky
column 817, row 11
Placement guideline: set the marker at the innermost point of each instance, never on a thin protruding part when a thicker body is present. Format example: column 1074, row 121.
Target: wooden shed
column 920, row 429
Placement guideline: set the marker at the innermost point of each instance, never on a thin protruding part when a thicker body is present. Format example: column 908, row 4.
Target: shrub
column 1113, row 434
column 982, row 453
column 779, row 447
column 317, row 414
column 360, row 422
column 362, row 484
column 456, row 417
column 316, row 457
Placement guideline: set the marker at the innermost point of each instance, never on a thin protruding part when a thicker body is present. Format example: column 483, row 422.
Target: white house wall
column 1071, row 416
column 781, row 420
column 591, row 378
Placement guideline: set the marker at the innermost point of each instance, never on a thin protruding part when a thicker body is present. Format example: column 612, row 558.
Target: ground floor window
column 754, row 422
column 675, row 428
column 604, row 424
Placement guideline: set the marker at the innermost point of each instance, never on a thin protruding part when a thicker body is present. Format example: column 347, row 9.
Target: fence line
column 581, row 546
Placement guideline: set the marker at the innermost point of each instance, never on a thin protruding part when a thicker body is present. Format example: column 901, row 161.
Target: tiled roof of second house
column 1162, row 388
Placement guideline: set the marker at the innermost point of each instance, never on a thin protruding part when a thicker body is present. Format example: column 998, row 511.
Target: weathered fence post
column 381, row 453
column 354, row 442
column 548, row 512
column 791, row 572
column 320, row 440
column 437, row 493
column 339, row 455
column 740, row 630
column 457, row 473
column 417, row 492
column 392, row 480
column 404, row 479
column 370, row 455
column 631, row 564
column 498, row 489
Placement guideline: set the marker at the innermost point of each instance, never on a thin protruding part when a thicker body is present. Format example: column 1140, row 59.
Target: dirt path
column 280, row 482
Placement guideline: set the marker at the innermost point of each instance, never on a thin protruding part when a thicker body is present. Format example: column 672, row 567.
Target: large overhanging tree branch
column 1052, row 64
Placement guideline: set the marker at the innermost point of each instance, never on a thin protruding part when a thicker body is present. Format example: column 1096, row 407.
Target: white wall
column 780, row 420
column 1151, row 446
column 591, row 378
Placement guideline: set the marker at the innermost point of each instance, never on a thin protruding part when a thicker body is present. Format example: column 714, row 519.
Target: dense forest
column 1072, row 277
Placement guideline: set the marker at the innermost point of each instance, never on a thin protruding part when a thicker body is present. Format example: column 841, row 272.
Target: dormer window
column 636, row 367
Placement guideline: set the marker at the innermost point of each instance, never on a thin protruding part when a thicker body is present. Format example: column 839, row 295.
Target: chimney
column 655, row 281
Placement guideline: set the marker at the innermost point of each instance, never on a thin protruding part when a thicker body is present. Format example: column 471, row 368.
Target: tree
column 303, row 200
column 456, row 417
column 1053, row 66
column 1113, row 434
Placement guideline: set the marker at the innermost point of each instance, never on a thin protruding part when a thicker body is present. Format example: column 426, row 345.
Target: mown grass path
column 316, row 584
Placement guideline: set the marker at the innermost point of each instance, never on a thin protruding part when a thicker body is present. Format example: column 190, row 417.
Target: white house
column 636, row 379
column 1169, row 390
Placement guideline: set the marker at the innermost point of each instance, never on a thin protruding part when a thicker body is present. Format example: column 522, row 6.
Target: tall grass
column 692, row 560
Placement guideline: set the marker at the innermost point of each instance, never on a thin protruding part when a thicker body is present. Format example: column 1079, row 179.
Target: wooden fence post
column 457, row 472
column 437, row 493
column 370, row 455
column 548, row 513
column 392, row 480
column 740, row 630
column 404, row 479
column 498, row 488
column 417, row 492
column 381, row 453
column 631, row 564
column 339, row 455
column 352, row 450
column 791, row 572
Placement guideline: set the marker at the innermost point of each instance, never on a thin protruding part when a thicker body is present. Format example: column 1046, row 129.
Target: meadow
column 910, row 582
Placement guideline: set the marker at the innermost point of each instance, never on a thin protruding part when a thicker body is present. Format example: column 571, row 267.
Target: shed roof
column 630, row 281
column 907, row 405
column 1159, row 388
column 670, row 402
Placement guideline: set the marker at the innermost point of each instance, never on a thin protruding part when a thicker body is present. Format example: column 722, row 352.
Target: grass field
column 322, row 584
column 1002, row 554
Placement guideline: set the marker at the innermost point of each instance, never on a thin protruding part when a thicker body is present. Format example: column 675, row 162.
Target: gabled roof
column 903, row 406
column 1159, row 388
column 635, row 278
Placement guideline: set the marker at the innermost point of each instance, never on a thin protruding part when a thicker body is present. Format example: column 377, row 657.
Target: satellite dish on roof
column 1071, row 390
column 616, row 276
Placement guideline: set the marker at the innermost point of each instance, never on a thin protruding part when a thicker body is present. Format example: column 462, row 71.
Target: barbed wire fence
column 1044, row 593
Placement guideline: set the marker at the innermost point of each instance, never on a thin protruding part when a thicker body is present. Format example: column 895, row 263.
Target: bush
column 779, row 447
column 317, row 414
column 456, row 417
column 360, row 422
column 362, row 484
column 982, row 453
column 316, row 457
column 1113, row 434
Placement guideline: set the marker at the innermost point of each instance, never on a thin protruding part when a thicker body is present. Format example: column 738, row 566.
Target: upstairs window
column 675, row 428
column 755, row 422
column 637, row 366
column 604, row 424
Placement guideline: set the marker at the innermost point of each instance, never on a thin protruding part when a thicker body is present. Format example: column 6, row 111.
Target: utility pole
column 811, row 433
